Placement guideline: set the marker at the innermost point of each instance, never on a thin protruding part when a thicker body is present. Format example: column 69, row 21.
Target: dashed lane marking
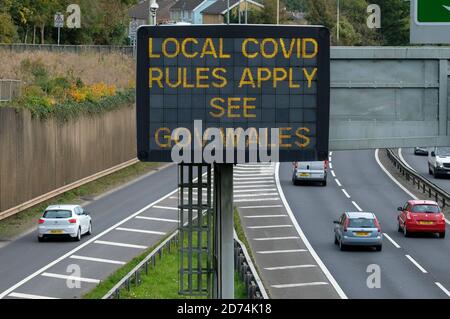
column 391, row 240
column 99, row 260
column 423, row 270
column 158, row 219
column 269, row 226
column 28, row 296
column 112, row 243
column 357, row 206
column 318, row 283
column 443, row 288
column 286, row 251
column 263, row 206
column 275, row 238
column 133, row 230
column 264, row 216
column 290, row 267
column 67, row 277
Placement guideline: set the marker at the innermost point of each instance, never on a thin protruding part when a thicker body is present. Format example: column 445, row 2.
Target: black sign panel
column 234, row 76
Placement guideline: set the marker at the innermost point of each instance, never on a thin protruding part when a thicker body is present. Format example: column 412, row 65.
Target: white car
column 439, row 161
column 310, row 172
column 64, row 220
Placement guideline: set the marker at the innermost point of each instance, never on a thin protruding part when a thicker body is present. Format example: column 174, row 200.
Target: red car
column 422, row 216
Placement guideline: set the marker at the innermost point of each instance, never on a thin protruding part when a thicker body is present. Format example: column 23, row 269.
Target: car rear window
column 425, row 209
column 361, row 223
column 57, row 214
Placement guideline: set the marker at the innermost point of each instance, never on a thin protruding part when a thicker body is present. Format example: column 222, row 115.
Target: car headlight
column 439, row 164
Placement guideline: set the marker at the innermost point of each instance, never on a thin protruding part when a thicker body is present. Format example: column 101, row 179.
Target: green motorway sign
column 433, row 11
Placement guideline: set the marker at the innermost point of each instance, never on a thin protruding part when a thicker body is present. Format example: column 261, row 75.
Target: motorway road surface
column 25, row 256
column 410, row 267
column 420, row 164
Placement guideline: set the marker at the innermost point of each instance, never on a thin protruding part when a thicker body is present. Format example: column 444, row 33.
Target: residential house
column 215, row 13
column 189, row 11
column 140, row 12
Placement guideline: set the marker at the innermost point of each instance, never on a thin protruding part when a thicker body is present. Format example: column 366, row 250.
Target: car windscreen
column 443, row 151
column 425, row 209
column 57, row 214
column 362, row 223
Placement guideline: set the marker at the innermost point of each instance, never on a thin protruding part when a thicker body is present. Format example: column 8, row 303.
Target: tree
column 394, row 21
column 8, row 32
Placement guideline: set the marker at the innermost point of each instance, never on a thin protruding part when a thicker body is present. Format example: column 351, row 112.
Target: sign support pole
column 224, row 231
column 59, row 35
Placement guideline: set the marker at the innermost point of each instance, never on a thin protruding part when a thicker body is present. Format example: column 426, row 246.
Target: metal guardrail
column 246, row 270
column 423, row 184
column 9, row 89
column 134, row 276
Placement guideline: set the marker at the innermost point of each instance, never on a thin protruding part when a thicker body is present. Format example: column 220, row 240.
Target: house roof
column 221, row 6
column 140, row 11
column 188, row 5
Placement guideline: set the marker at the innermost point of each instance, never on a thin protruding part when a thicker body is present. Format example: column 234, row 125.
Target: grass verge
column 17, row 224
column 162, row 281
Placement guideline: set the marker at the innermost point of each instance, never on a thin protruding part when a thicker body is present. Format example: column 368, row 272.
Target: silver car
column 71, row 221
column 315, row 171
column 358, row 229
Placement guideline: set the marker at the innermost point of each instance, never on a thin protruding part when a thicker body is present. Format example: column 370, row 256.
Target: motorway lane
column 315, row 209
column 25, row 255
column 420, row 164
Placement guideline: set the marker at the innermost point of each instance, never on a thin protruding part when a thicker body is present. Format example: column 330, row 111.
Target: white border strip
column 316, row 257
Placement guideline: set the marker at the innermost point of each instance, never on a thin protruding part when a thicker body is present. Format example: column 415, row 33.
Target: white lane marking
column 392, row 177
column 165, row 207
column 133, row 230
column 28, row 296
column 416, row 264
column 331, row 153
column 275, row 238
column 256, row 200
column 306, row 284
column 264, row 216
column 357, row 206
column 94, row 239
column 255, row 195
column 391, row 240
column 66, row 277
column 252, row 187
column 269, row 226
column 100, row 260
column 400, row 154
column 333, row 173
column 255, row 190
column 158, row 219
column 264, row 206
column 443, row 288
column 253, row 179
column 338, row 182
column 290, row 267
column 253, row 182
column 112, row 243
column 252, row 175
column 304, row 239
column 267, row 252
column 345, row 193
column 330, row 165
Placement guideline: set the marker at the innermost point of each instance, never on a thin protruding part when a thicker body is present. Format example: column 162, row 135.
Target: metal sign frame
column 321, row 34
column 427, row 32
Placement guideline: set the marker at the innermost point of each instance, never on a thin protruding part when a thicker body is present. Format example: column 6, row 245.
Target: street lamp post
column 278, row 11
column 338, row 21
column 152, row 12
